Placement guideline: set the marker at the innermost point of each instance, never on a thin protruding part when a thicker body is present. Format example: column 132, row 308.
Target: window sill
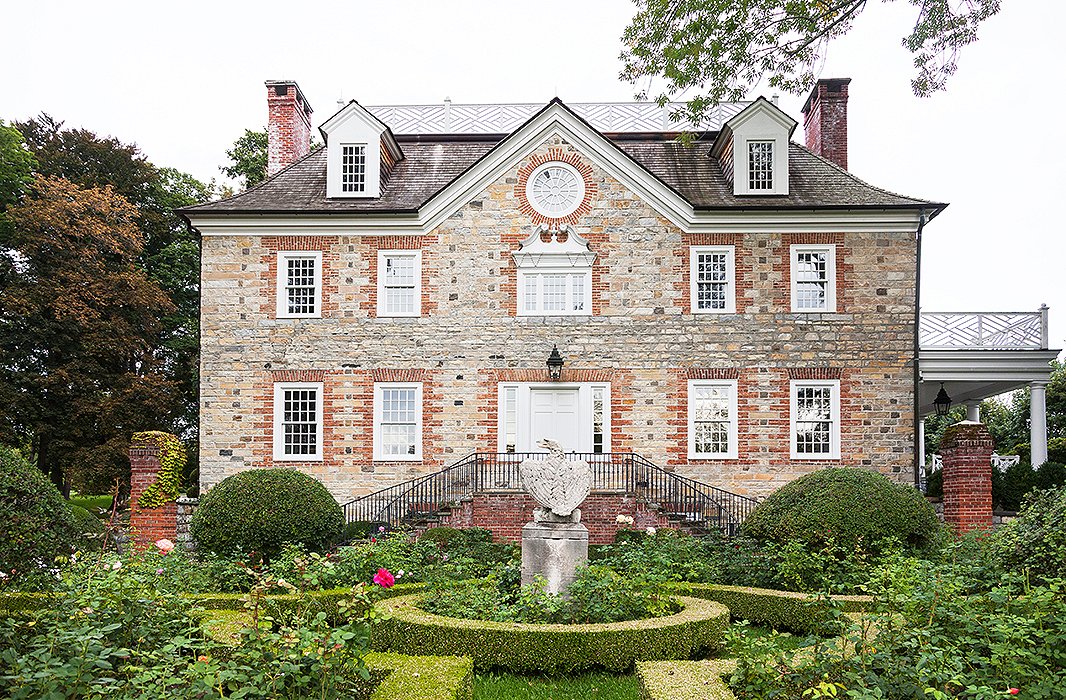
column 397, row 458
column 297, row 458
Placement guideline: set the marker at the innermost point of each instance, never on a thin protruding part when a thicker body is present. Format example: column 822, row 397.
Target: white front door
column 556, row 414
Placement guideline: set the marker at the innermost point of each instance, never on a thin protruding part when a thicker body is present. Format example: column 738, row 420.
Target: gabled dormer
column 752, row 148
column 360, row 153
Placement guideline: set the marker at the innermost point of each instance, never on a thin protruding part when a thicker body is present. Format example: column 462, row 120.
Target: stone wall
column 643, row 339
column 183, row 519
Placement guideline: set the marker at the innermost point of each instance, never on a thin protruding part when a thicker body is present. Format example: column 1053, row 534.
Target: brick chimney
column 825, row 120
column 288, row 126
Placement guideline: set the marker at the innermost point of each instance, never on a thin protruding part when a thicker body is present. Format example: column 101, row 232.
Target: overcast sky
column 183, row 80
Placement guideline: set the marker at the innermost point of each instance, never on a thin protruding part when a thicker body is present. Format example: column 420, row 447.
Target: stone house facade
column 740, row 310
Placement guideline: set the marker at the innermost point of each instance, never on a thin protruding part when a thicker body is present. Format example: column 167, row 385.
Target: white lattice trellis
column 984, row 331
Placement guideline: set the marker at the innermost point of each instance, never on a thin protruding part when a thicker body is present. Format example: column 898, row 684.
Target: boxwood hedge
column 421, row 677
column 854, row 507
column 783, row 610
column 535, row 648
column 685, row 680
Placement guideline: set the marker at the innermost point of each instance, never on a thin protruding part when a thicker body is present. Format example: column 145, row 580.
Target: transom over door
column 556, row 414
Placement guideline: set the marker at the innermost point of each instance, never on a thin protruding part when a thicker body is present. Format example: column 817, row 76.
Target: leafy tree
column 248, row 158
column 79, row 325
column 16, row 166
column 170, row 251
column 721, row 48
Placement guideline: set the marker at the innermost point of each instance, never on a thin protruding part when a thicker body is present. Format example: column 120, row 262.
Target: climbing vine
column 171, row 466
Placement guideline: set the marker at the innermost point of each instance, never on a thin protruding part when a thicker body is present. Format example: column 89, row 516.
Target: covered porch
column 975, row 356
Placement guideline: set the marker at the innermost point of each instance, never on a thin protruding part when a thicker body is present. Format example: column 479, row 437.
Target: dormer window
column 353, row 167
column 761, row 165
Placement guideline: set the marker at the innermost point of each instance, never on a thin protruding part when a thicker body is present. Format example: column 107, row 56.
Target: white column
column 1037, row 423
column 973, row 411
column 921, row 445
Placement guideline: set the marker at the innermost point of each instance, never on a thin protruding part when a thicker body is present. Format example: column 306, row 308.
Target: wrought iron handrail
column 695, row 504
column 1022, row 330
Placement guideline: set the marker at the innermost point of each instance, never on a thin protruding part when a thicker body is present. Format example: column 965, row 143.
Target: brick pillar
column 966, row 449
column 148, row 525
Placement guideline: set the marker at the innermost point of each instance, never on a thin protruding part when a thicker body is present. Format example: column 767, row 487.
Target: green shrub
column 449, row 537
column 260, row 510
column 1050, row 475
column 848, row 506
column 421, row 677
column 35, row 524
column 90, row 531
column 781, row 610
column 1036, row 539
column 685, row 680
column 537, row 648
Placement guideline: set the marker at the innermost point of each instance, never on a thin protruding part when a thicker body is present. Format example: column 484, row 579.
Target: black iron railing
column 691, row 503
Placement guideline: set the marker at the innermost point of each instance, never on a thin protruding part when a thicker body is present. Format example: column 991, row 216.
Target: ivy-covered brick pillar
column 156, row 463
column 966, row 449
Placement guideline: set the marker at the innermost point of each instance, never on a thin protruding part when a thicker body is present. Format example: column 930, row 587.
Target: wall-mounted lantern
column 555, row 365
column 942, row 402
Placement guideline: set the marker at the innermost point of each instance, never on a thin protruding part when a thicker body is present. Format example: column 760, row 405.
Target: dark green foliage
column 452, row 537
column 248, row 158
column 848, row 506
column 1036, row 540
column 598, row 594
column 90, row 530
column 533, row 648
column 260, row 510
column 35, row 524
column 1051, row 474
column 16, row 166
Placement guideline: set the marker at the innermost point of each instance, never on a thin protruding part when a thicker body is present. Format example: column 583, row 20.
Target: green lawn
column 592, row 686
column 93, row 504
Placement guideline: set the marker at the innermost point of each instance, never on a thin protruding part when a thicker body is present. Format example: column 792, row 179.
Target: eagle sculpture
column 558, row 484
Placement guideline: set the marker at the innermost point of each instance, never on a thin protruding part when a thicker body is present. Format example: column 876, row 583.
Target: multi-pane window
column 398, row 421
column 399, row 283
column 813, row 278
column 760, row 165
column 712, row 419
column 555, row 293
column 711, row 275
column 299, row 284
column 298, row 421
column 598, row 402
column 353, row 168
column 816, row 419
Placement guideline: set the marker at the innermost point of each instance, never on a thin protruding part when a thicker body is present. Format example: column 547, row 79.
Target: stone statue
column 556, row 542
column 558, row 484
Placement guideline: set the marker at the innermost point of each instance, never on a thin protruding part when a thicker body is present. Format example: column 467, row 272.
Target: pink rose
column 1014, row 691
column 165, row 546
column 384, row 579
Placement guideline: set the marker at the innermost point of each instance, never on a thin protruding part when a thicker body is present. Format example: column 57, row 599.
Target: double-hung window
column 813, row 278
column 399, row 283
column 353, row 167
column 712, row 279
column 298, row 421
column 555, row 293
column 397, row 422
column 712, row 419
column 815, row 419
column 299, row 284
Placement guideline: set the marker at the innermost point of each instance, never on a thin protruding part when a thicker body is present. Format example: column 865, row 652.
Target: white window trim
column 834, row 434
column 585, row 398
column 378, row 443
column 574, row 206
column 524, row 279
column 734, row 421
column 731, row 278
column 382, row 255
column 831, row 270
column 279, row 418
column 282, row 309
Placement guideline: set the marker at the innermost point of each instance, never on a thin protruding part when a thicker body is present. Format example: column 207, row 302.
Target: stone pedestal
column 553, row 550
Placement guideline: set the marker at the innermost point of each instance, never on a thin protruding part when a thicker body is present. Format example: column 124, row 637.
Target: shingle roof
column 429, row 165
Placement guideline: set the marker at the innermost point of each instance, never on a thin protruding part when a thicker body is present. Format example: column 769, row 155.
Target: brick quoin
column 148, row 525
column 825, row 120
column 966, row 450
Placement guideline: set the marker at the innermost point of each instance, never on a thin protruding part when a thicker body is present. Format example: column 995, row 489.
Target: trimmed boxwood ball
column 35, row 524
column 851, row 506
column 259, row 510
